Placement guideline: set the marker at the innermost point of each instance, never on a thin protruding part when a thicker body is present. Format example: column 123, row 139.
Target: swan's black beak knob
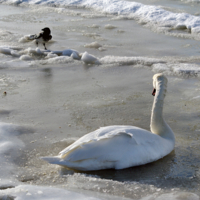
column 154, row 92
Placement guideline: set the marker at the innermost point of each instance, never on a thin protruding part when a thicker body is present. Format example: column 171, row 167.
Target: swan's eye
column 154, row 92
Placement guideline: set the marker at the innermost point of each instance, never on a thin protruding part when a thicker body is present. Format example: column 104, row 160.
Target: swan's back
column 113, row 147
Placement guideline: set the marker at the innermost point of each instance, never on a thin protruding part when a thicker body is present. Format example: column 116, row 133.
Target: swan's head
column 159, row 81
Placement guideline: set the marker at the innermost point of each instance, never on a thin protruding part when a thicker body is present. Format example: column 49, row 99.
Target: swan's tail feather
column 52, row 159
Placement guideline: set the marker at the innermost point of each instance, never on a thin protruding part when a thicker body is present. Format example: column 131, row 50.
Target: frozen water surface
column 50, row 99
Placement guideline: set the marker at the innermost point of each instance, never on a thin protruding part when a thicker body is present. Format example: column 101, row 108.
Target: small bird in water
column 42, row 37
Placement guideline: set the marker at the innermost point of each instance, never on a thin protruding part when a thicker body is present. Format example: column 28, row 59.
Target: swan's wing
column 99, row 134
column 104, row 149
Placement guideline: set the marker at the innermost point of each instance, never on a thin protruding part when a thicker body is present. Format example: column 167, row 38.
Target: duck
column 122, row 146
column 42, row 37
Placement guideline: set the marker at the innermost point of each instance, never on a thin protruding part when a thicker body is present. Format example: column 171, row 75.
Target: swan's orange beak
column 154, row 92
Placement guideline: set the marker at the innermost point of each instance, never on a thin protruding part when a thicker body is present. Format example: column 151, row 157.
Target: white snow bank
column 143, row 13
column 10, row 147
column 123, row 60
column 178, row 69
column 29, row 192
column 173, row 196
column 34, row 54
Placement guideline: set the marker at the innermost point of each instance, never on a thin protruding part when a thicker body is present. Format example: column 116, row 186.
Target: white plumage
column 121, row 147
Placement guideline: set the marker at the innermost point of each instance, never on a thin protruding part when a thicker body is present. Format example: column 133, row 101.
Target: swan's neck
column 158, row 125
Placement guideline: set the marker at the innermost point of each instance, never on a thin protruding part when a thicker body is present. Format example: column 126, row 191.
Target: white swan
column 121, row 147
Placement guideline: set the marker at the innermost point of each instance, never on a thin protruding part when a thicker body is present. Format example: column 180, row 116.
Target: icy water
column 50, row 99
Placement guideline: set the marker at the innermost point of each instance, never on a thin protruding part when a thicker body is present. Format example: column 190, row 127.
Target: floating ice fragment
column 25, row 57
column 109, row 26
column 67, row 52
column 89, row 59
column 195, row 30
column 95, row 45
column 180, row 27
column 94, row 35
column 94, row 26
column 51, row 55
column 14, row 53
column 197, row 97
column 26, row 38
column 58, row 53
column 5, row 51
column 102, row 49
column 38, row 51
column 75, row 56
column 10, row 51
column 120, row 31
column 58, row 60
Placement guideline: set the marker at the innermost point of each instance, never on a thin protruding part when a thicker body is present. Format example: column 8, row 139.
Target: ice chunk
column 25, row 57
column 95, row 45
column 89, row 59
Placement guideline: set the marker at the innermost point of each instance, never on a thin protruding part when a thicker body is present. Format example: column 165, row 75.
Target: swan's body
column 121, row 147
